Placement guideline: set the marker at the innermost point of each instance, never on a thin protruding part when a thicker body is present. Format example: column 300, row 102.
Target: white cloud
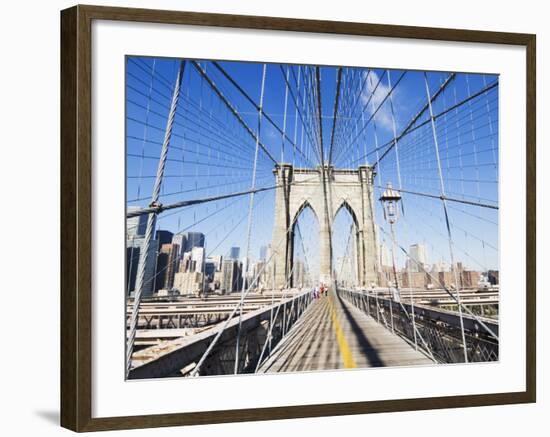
column 383, row 117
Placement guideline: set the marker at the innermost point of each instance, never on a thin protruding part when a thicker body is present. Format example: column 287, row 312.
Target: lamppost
column 390, row 200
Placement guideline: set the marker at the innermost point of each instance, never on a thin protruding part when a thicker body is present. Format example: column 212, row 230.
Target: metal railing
column 180, row 357
column 439, row 329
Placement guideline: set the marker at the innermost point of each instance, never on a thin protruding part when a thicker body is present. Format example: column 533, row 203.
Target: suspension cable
column 444, row 203
column 249, row 230
column 232, row 109
column 144, row 253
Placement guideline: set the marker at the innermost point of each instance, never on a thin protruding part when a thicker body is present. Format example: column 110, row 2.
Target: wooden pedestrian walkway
column 333, row 334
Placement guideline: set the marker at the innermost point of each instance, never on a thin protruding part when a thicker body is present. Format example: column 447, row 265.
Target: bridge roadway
column 333, row 334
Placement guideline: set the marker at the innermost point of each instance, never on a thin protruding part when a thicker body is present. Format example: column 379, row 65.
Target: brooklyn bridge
column 285, row 218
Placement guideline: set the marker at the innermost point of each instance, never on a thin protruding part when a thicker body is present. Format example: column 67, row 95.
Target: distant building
column 493, row 277
column 193, row 239
column 209, row 269
column 441, row 266
column 192, row 261
column 164, row 237
column 172, row 265
column 167, row 265
column 470, row 278
column 136, row 226
column 197, row 257
column 186, row 263
column 386, row 277
column 385, row 257
column 419, row 260
column 162, row 265
column 299, row 274
column 467, row 278
column 188, row 282
column 134, row 247
column 181, row 240
column 234, row 253
column 263, row 253
column 231, row 277
column 246, row 270
column 445, row 279
column 415, row 279
column 269, row 268
column 258, row 272
column 188, row 240
column 216, row 283
column 216, row 260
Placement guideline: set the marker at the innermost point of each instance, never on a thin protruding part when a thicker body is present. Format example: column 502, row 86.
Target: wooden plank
column 312, row 344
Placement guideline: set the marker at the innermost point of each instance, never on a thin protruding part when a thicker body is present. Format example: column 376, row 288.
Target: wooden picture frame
column 76, row 217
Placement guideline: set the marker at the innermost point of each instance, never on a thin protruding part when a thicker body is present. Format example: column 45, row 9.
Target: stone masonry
column 299, row 188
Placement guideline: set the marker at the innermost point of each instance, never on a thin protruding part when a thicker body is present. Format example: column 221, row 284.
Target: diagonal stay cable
column 436, row 116
column 442, row 197
column 202, row 72
column 320, row 112
column 440, row 90
column 343, row 148
column 158, row 207
column 305, row 125
column 335, row 113
column 380, row 105
column 257, row 107
column 349, row 121
column 152, row 216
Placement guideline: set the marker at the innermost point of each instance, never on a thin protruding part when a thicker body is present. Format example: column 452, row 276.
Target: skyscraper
column 263, row 253
column 193, row 239
column 167, row 265
column 180, row 239
column 234, row 253
column 197, row 256
column 417, row 252
column 134, row 246
column 209, row 269
column 299, row 274
column 172, row 265
column 385, row 258
column 231, row 278
column 216, row 260
column 164, row 237
column 136, row 226
column 162, row 265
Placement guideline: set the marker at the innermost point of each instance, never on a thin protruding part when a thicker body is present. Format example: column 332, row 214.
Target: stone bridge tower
column 325, row 191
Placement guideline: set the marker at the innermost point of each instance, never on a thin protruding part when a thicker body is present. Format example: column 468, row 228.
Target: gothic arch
column 346, row 205
column 322, row 189
column 304, row 205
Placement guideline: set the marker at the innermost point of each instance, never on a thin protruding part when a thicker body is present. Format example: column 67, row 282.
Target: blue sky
column 211, row 153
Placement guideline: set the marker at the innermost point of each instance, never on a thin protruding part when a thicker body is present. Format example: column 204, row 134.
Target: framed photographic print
column 292, row 218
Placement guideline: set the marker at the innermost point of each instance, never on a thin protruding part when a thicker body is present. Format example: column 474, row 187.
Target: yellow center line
column 345, row 351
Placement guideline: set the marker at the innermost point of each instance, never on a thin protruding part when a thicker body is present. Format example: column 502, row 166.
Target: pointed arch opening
column 345, row 243
column 304, row 251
